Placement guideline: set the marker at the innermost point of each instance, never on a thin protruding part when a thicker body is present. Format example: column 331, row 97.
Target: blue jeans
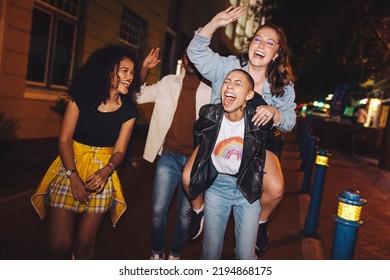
column 167, row 179
column 220, row 199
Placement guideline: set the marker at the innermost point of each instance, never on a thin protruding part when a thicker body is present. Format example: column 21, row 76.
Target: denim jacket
column 214, row 67
column 251, row 171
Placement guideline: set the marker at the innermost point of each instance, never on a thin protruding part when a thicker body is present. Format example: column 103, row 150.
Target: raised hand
column 152, row 59
column 149, row 62
column 227, row 16
column 222, row 19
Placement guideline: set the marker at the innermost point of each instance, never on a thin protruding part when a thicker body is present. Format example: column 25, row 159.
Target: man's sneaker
column 173, row 258
column 262, row 237
column 196, row 226
column 157, row 257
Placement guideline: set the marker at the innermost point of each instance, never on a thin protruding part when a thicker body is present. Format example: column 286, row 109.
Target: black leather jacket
column 251, row 171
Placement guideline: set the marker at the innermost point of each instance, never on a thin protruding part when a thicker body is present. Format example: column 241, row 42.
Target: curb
column 14, row 203
column 312, row 248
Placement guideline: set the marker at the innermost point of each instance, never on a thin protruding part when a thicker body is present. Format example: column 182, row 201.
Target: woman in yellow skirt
column 82, row 184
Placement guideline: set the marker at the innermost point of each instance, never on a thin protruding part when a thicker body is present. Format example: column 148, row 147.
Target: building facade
column 43, row 41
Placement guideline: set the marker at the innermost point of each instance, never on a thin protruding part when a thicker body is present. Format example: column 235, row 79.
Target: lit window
column 52, row 43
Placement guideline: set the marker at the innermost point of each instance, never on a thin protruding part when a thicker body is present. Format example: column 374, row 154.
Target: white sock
column 199, row 210
column 262, row 222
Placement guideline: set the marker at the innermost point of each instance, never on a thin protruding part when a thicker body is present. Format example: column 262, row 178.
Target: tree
column 336, row 42
column 333, row 42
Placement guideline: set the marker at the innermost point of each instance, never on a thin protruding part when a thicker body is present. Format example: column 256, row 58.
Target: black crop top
column 98, row 129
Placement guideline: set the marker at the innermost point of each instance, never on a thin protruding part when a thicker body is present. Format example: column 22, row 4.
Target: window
column 132, row 30
column 169, row 64
column 70, row 7
column 52, row 43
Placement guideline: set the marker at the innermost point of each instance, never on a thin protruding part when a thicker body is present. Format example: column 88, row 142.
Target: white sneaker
column 173, row 258
column 157, row 257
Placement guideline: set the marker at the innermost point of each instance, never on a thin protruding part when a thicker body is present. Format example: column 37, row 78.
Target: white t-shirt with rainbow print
column 227, row 153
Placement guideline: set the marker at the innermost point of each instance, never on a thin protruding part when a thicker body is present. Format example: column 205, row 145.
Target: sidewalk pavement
column 131, row 238
column 344, row 172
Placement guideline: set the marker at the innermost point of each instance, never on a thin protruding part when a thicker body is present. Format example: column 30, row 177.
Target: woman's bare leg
column 196, row 226
column 273, row 185
column 84, row 248
column 273, row 189
column 197, row 203
column 61, row 225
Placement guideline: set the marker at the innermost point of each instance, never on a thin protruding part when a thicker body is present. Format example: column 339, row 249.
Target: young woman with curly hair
column 267, row 61
column 82, row 184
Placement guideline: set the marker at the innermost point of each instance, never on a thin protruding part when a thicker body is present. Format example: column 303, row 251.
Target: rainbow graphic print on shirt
column 230, row 147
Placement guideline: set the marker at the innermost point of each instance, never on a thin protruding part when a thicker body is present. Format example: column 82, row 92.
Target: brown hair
column 279, row 71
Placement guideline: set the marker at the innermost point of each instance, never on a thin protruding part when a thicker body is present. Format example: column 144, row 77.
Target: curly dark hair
column 91, row 84
column 279, row 72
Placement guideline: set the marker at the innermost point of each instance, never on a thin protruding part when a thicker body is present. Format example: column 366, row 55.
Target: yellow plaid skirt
column 54, row 189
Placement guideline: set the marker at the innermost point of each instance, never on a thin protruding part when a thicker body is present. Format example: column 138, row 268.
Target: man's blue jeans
column 222, row 197
column 167, row 179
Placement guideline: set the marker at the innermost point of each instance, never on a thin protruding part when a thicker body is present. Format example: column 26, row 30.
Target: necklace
column 109, row 107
